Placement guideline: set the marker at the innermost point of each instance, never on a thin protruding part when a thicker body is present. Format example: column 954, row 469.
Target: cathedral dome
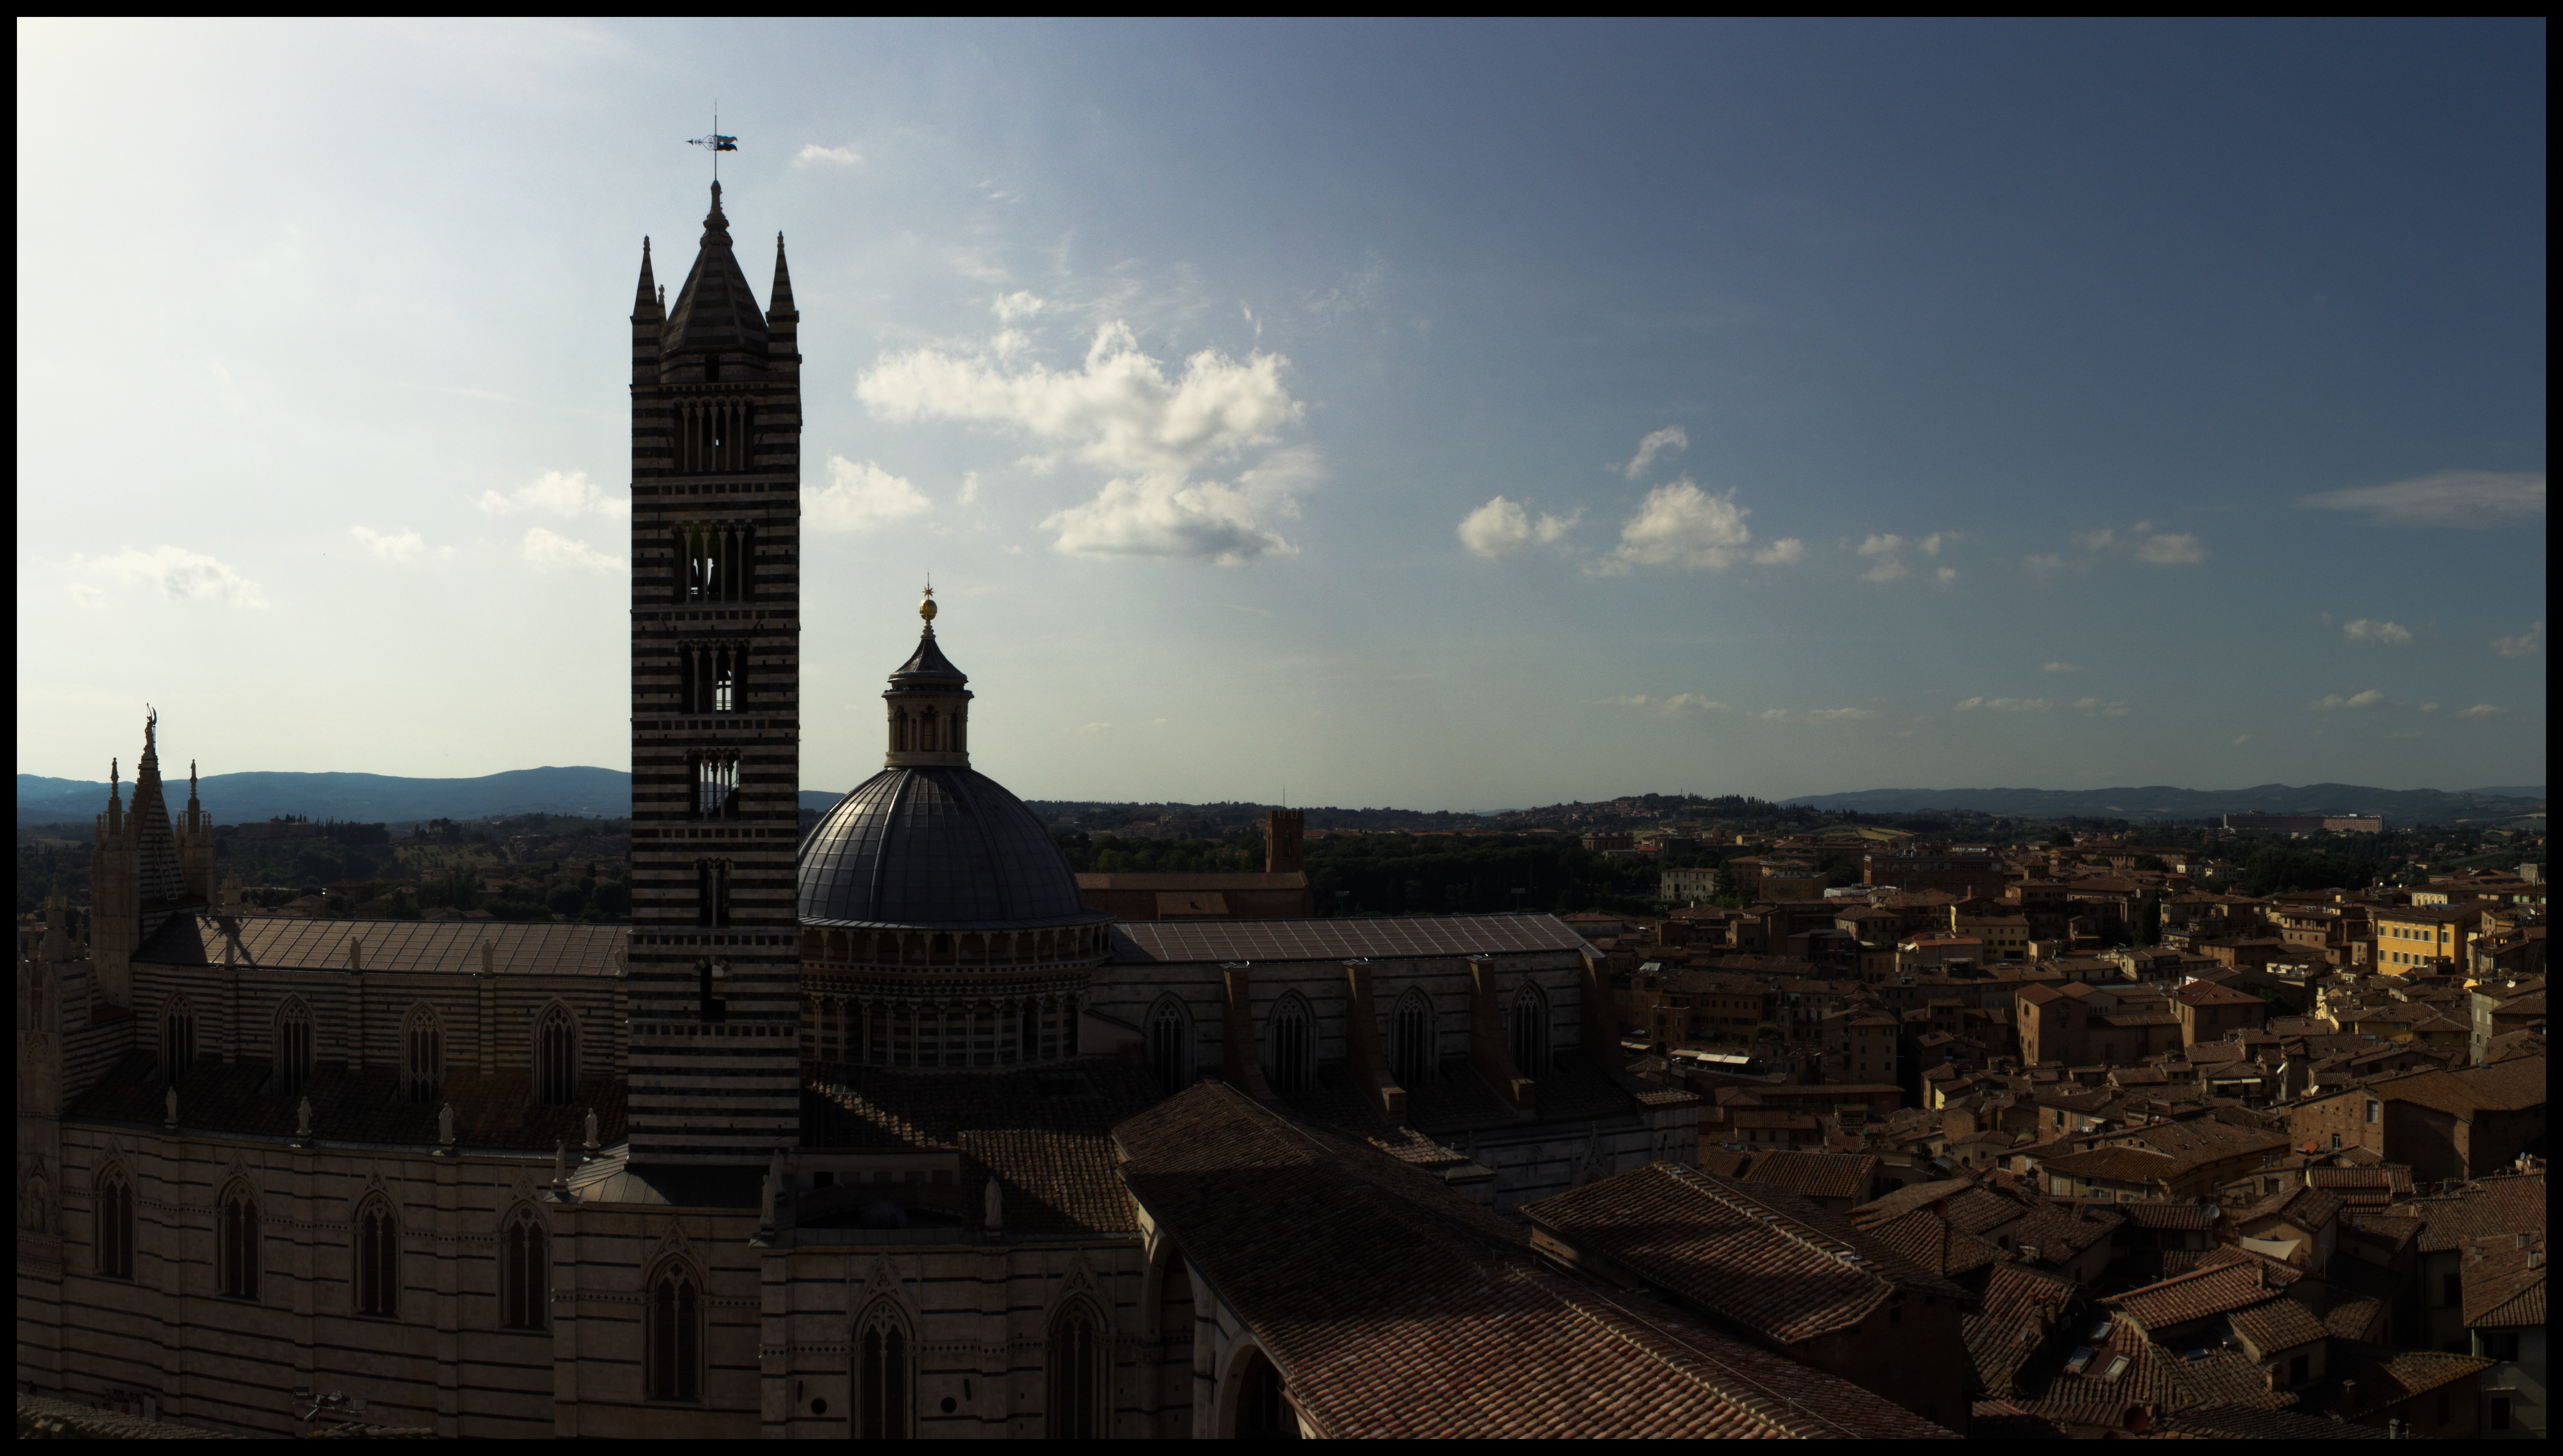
column 936, row 847
column 928, row 842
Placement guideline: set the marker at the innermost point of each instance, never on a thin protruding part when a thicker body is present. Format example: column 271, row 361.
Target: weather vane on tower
column 714, row 144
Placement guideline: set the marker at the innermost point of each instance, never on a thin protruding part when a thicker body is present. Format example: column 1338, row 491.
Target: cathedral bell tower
column 716, row 712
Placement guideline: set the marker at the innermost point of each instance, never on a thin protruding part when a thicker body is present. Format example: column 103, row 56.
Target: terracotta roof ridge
column 1791, row 1227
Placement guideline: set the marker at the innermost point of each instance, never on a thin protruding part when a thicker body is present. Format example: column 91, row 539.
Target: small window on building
column 556, row 1057
column 177, row 1037
column 115, row 1224
column 884, row 1377
column 2335, row 1142
column 524, row 1272
column 291, row 1066
column 377, row 1261
column 1411, row 1046
column 2374, row 1108
column 422, row 1054
column 1295, row 1049
column 1169, row 1045
column 711, row 986
column 676, row 1336
column 715, row 788
column 236, row 1245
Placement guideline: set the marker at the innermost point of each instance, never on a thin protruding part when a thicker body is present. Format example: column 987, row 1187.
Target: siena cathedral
column 884, row 1131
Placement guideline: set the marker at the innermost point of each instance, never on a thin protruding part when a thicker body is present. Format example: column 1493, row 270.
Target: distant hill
column 367, row 797
column 2160, row 802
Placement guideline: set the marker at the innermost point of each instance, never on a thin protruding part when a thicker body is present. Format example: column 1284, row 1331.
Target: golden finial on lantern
column 926, row 608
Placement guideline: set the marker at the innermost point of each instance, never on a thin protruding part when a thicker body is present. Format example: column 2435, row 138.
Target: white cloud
column 2243, row 739
column 1682, row 525
column 1499, row 527
column 862, row 496
column 2171, row 549
column 2526, row 645
column 1888, row 554
column 1816, row 715
column 2006, row 706
column 2483, row 710
column 1090, row 727
column 1125, row 411
column 2045, row 564
column 1121, row 409
column 2057, row 668
column 2368, row 699
column 1021, row 304
column 2429, row 707
column 1158, row 515
column 407, row 546
column 2473, row 499
column 811, row 155
column 1672, row 437
column 2093, row 707
column 543, row 548
column 180, row 574
column 1679, row 705
column 2141, row 541
column 565, row 493
column 2385, row 633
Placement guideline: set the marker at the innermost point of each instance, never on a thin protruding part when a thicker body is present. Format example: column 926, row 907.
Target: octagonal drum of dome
column 936, row 847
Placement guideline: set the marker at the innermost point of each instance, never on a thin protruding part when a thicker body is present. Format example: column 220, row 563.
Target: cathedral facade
column 878, row 1133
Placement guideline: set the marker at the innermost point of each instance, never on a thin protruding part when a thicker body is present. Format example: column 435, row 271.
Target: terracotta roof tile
column 451, row 948
column 2276, row 1325
column 1389, row 938
column 1763, row 1259
column 1815, row 1174
column 1396, row 1308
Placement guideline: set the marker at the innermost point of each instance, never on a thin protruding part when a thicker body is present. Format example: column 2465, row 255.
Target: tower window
column 715, row 792
column 716, row 563
column 711, row 892
column 711, row 981
column 711, row 678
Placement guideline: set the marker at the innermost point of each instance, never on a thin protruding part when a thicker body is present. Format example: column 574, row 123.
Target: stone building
column 822, row 1144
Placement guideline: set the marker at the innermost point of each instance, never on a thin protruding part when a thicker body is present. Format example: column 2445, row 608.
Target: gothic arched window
column 1294, row 1046
column 1081, row 1369
column 1410, row 1047
column 676, row 1335
column 236, row 1242
column 178, row 1036
column 378, row 1276
column 524, row 1272
column 1170, row 1036
column 292, row 1050
column 422, row 1053
column 1263, row 1401
column 1530, row 1019
column 885, row 1375
column 556, row 1056
column 115, row 1224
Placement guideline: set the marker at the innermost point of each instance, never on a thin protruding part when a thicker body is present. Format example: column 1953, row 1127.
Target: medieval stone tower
column 716, row 712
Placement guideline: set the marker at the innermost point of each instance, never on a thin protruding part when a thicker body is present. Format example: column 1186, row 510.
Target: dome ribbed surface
column 936, row 847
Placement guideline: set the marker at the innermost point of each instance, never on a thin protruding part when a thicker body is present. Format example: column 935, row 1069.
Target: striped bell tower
column 716, row 713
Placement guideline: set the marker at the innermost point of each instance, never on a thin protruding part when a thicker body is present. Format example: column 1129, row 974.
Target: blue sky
column 1451, row 416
